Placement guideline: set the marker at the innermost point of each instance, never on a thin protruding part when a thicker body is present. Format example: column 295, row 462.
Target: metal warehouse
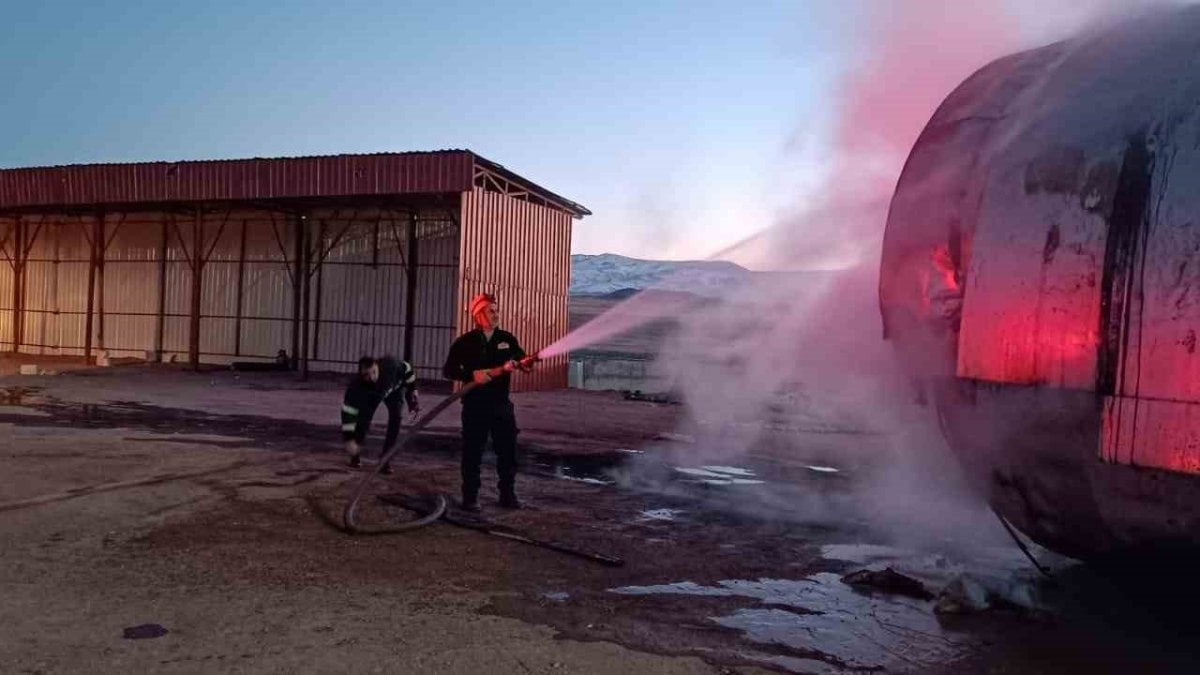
column 326, row 258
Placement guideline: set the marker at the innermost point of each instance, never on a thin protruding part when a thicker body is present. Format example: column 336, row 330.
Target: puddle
column 727, row 474
column 795, row 665
column 720, row 475
column 661, row 514
column 21, row 410
column 729, row 470
column 821, row 614
column 174, row 424
column 704, row 473
column 591, row 469
column 146, row 631
column 588, row 480
column 637, row 470
column 19, row 396
column 1003, row 574
column 729, row 481
column 823, row 469
column 825, row 625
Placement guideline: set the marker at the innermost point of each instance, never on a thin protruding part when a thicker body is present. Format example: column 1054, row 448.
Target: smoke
column 906, row 57
column 800, row 351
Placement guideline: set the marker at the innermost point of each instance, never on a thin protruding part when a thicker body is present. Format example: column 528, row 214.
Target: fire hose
column 349, row 522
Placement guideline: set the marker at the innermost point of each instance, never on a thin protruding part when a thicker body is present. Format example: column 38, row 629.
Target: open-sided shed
column 327, row 258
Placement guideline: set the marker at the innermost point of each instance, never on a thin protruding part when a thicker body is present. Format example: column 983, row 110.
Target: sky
column 684, row 126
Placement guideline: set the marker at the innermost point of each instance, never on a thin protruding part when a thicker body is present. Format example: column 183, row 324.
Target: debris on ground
column 644, row 397
column 962, row 596
column 888, row 580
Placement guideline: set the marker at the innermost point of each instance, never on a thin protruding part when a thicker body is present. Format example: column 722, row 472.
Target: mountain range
column 614, row 275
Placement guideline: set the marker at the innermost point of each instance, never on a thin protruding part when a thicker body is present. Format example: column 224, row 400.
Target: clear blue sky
column 682, row 125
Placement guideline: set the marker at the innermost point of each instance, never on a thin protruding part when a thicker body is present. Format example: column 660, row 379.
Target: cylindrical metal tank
column 1041, row 280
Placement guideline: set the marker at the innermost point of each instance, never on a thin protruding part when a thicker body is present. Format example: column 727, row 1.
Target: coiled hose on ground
column 351, row 525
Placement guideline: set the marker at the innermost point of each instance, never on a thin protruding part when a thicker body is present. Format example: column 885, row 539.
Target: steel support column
column 410, row 287
column 306, row 295
column 197, row 289
column 18, row 290
column 297, row 271
column 101, row 254
column 241, row 288
column 91, row 296
column 161, row 319
column 320, row 272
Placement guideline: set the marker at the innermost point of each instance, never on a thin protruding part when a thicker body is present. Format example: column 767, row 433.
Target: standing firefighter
column 386, row 380
column 487, row 410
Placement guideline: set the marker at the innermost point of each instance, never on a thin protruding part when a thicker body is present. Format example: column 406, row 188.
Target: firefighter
column 487, row 410
column 386, row 381
column 397, row 379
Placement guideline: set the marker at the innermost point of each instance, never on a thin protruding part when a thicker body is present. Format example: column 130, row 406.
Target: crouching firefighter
column 487, row 410
column 386, row 381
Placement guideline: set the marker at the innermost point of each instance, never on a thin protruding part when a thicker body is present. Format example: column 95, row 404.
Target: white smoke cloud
column 737, row 361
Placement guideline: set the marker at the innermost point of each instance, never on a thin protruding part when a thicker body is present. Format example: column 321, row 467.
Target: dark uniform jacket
column 396, row 377
column 473, row 351
column 362, row 396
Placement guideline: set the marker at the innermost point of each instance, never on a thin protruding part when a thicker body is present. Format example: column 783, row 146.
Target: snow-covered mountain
column 608, row 273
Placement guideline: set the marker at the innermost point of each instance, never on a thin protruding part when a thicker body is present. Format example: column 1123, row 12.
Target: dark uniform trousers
column 362, row 400
column 481, row 419
column 392, row 405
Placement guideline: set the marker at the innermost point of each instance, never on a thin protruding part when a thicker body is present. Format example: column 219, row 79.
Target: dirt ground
column 209, row 503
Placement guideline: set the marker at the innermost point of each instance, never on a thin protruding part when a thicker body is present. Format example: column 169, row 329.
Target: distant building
column 327, row 258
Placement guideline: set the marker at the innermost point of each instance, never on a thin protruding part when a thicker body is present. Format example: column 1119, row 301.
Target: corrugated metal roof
column 401, row 173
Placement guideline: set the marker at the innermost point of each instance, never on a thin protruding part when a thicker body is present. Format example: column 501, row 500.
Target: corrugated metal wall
column 357, row 302
column 363, row 289
column 521, row 252
column 55, row 284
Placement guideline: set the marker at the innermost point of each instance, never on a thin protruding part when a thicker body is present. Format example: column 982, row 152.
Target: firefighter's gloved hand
column 481, row 376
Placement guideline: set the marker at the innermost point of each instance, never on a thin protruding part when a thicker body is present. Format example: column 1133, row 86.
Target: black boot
column 387, row 466
column 471, row 504
column 508, row 500
column 355, row 462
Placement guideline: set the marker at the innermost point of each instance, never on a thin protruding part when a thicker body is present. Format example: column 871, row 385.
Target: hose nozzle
column 524, row 364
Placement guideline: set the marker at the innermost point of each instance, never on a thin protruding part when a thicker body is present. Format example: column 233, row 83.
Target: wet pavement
column 715, row 573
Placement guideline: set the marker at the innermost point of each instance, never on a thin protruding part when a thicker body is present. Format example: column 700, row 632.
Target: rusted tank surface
column 1041, row 280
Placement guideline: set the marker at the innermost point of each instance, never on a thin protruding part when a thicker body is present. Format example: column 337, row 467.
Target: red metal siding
column 339, row 175
column 520, row 252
